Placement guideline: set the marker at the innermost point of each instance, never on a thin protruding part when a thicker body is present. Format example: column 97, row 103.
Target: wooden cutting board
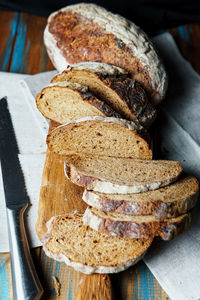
column 58, row 195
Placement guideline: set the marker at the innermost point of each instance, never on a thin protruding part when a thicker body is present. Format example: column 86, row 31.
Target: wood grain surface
column 58, row 195
column 22, row 50
column 94, row 287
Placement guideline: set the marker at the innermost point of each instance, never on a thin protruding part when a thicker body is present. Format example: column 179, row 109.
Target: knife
column 26, row 284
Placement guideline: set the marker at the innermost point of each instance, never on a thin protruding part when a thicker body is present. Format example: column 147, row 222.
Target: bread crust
column 128, row 41
column 84, row 95
column 134, row 97
column 167, row 229
column 98, row 185
column 129, row 91
column 128, row 124
column 87, row 269
column 100, row 68
column 157, row 208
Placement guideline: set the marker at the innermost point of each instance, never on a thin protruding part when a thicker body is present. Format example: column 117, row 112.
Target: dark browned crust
column 166, row 228
column 103, row 107
column 76, row 35
column 134, row 97
column 87, row 97
column 131, row 93
column 159, row 209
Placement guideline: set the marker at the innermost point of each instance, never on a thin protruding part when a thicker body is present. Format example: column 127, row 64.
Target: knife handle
column 26, row 284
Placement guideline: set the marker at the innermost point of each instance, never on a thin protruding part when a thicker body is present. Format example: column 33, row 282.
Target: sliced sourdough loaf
column 88, row 251
column 100, row 136
column 113, row 86
column 121, row 225
column 67, row 101
column 120, row 175
column 167, row 202
column 87, row 32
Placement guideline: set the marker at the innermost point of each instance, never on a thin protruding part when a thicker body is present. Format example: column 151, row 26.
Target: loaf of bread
column 167, row 202
column 88, row 251
column 67, row 101
column 100, row 136
column 111, row 79
column 120, row 175
column 87, row 32
column 112, row 85
column 114, row 224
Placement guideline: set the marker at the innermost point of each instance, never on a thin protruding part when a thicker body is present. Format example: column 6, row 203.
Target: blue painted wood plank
column 146, row 292
column 7, row 51
column 70, row 289
column 4, row 279
column 185, row 33
column 21, row 49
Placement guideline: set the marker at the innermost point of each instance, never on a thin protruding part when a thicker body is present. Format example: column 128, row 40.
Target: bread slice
column 120, row 175
column 113, row 86
column 100, row 136
column 87, row 250
column 87, row 32
column 167, row 202
column 68, row 101
column 121, row 225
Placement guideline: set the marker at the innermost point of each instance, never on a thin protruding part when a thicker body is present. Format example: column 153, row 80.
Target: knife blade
column 15, row 195
column 26, row 284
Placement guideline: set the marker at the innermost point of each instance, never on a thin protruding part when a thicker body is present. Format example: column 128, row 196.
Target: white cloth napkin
column 175, row 264
column 30, row 129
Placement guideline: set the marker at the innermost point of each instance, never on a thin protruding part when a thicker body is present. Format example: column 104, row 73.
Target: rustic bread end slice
column 100, row 136
column 116, row 175
column 66, row 101
column 167, row 202
column 125, row 95
column 88, row 251
column 121, row 225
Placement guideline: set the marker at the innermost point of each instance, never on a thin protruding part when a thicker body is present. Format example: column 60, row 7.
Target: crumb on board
column 57, row 285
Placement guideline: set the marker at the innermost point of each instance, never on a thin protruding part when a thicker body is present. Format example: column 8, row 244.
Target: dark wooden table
column 22, row 51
